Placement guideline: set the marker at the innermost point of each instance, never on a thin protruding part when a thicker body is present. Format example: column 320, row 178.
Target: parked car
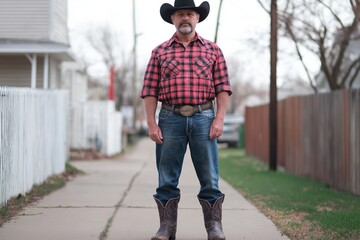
column 231, row 135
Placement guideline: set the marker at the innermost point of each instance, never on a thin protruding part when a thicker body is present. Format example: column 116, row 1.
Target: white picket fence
column 33, row 138
column 96, row 125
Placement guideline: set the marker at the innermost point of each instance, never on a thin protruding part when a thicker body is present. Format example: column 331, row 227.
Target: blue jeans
column 179, row 131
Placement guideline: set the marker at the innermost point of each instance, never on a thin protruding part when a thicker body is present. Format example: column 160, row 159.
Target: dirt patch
column 292, row 224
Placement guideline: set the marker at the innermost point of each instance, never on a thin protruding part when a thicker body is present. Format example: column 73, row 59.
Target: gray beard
column 185, row 30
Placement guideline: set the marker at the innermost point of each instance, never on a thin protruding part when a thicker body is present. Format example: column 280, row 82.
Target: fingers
column 156, row 136
column 216, row 130
column 215, row 134
column 160, row 137
column 157, row 139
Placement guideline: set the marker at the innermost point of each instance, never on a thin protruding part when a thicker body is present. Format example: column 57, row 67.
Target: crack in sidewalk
column 60, row 206
column 104, row 233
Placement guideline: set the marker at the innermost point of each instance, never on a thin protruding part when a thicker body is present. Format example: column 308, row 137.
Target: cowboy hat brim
column 166, row 10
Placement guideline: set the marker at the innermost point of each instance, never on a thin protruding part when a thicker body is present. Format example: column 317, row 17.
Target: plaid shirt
column 193, row 75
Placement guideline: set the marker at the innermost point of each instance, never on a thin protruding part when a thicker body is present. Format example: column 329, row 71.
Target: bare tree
column 122, row 83
column 103, row 41
column 242, row 87
column 355, row 4
column 323, row 29
column 106, row 45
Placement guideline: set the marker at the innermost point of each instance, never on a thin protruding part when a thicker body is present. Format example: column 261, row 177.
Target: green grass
column 301, row 208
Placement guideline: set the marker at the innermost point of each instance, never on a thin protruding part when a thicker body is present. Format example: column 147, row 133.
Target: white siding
column 24, row 19
column 58, row 21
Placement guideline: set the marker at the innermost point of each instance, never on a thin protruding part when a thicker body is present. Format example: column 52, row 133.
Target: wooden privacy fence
column 33, row 138
column 318, row 137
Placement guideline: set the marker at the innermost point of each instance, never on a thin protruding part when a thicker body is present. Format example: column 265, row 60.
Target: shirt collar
column 174, row 38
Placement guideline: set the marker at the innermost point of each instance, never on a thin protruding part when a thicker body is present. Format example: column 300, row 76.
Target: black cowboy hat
column 166, row 10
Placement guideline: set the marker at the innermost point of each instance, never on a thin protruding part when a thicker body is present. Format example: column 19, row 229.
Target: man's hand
column 155, row 133
column 150, row 109
column 217, row 126
column 216, row 129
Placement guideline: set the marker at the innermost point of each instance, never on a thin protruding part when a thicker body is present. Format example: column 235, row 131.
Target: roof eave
column 62, row 51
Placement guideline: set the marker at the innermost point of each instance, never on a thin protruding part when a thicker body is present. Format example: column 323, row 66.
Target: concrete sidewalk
column 115, row 196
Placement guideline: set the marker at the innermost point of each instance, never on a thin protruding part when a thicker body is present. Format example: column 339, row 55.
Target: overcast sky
column 240, row 20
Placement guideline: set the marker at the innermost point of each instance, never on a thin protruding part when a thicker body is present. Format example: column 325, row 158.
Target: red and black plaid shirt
column 193, row 75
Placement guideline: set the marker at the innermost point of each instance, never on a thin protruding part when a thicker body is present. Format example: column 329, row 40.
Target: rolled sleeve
column 221, row 76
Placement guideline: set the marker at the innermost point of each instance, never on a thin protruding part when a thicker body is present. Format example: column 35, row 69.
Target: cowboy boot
column 168, row 219
column 212, row 218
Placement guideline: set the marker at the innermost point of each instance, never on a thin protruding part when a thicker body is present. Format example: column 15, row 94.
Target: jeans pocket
column 164, row 114
column 208, row 113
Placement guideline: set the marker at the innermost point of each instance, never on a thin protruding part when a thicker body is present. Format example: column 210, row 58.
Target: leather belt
column 187, row 110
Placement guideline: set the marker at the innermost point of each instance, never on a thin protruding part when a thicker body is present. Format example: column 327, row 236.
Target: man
column 186, row 74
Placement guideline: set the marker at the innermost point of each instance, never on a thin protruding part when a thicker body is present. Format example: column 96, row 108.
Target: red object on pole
column 111, row 85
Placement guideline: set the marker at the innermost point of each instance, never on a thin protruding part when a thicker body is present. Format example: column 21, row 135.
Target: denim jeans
column 178, row 132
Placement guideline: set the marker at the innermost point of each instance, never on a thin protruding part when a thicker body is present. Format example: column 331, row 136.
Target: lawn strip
column 301, row 208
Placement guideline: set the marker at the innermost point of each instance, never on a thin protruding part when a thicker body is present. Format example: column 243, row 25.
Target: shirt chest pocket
column 170, row 69
column 203, row 67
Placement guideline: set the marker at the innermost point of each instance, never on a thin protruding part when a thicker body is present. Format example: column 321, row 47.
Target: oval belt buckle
column 187, row 110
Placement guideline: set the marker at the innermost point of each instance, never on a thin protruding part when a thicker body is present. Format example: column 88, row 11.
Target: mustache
column 185, row 22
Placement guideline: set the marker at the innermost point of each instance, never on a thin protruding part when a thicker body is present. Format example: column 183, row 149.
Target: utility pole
column 218, row 22
column 273, row 88
column 134, row 69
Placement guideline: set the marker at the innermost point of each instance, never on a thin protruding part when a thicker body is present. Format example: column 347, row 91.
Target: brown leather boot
column 212, row 218
column 168, row 219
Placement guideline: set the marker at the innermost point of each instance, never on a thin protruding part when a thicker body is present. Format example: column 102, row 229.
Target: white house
column 35, row 53
column 33, row 42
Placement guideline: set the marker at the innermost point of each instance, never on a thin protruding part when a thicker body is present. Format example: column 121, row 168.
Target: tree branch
column 263, row 6
column 332, row 12
column 354, row 64
column 355, row 4
column 293, row 37
column 344, row 43
column 354, row 76
column 324, row 66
